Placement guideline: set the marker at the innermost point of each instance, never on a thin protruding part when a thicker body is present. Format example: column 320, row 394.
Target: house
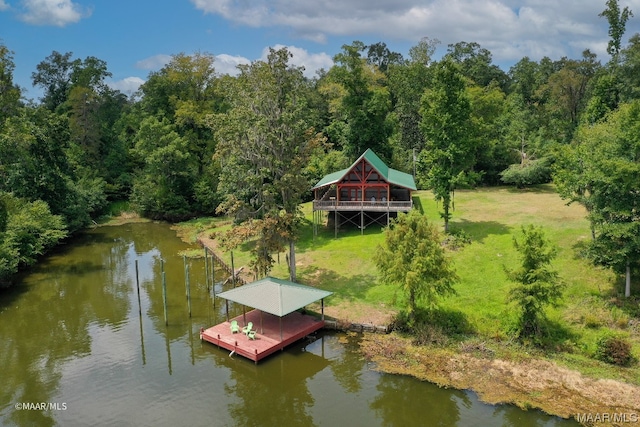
column 365, row 193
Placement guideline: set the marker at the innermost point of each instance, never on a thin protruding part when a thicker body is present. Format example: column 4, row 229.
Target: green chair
column 251, row 335
column 234, row 327
column 247, row 328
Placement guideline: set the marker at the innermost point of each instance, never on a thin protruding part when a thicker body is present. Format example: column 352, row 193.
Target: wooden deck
column 268, row 339
column 374, row 206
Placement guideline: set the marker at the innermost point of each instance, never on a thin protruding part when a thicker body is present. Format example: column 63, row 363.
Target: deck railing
column 375, row 205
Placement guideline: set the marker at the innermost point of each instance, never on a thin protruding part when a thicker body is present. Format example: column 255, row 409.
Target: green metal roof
column 275, row 296
column 392, row 176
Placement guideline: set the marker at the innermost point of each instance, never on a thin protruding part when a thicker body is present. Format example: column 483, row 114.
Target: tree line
column 194, row 142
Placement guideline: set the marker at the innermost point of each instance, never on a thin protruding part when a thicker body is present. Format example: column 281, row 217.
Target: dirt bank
column 528, row 383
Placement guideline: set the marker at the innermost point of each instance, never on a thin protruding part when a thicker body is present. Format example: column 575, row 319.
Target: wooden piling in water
column 188, row 291
column 215, row 258
column 138, row 287
column 184, row 266
column 206, row 268
column 233, row 271
column 164, row 297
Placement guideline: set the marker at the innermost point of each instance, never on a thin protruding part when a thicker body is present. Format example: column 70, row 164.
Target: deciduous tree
column 266, row 140
column 448, row 156
column 9, row 91
column 363, row 103
column 413, row 258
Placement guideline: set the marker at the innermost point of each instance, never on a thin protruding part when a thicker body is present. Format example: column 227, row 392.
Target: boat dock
column 273, row 333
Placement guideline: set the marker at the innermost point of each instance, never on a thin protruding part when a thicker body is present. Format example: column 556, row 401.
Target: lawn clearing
column 491, row 217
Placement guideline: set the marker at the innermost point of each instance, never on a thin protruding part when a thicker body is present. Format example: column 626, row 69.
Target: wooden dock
column 273, row 333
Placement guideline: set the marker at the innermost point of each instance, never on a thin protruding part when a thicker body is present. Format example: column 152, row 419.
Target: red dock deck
column 270, row 337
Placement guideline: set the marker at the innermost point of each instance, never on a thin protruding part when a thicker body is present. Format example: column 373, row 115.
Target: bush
column 530, row 173
column 456, row 238
column 615, row 350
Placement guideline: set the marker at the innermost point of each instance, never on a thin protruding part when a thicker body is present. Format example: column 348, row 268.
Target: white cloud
column 311, row 62
column 52, row 12
column 227, row 64
column 510, row 29
column 154, row 62
column 128, row 85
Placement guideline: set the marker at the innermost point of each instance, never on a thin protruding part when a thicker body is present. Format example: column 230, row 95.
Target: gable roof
column 392, row 176
column 275, row 296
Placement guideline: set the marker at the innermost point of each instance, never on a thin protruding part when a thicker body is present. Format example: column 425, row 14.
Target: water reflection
column 396, row 395
column 75, row 332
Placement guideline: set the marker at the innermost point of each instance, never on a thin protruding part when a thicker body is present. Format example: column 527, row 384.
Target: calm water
column 74, row 339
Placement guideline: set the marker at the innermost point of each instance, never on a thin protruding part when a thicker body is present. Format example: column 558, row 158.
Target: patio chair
column 251, row 335
column 234, row 327
column 247, row 329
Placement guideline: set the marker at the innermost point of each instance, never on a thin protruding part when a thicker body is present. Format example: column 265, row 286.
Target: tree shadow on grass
column 350, row 288
column 554, row 336
column 480, row 230
column 613, row 296
column 452, row 322
column 536, row 189
column 439, row 326
column 325, row 234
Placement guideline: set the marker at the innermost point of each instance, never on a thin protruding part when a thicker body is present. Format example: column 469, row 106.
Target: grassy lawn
column 491, row 217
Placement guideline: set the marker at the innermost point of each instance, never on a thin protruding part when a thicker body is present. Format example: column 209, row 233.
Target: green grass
column 491, row 217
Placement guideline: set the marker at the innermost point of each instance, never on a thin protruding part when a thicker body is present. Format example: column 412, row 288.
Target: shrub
column 432, row 326
column 456, row 238
column 615, row 350
column 530, row 173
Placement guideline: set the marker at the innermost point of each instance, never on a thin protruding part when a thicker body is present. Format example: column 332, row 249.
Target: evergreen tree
column 414, row 259
column 537, row 284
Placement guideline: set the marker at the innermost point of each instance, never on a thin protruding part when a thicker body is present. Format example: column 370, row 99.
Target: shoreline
column 529, row 383
column 525, row 381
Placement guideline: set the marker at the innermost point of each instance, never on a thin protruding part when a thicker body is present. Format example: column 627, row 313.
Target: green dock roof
column 276, row 296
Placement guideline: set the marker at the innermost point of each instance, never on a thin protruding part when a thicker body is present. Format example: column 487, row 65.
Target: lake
column 78, row 347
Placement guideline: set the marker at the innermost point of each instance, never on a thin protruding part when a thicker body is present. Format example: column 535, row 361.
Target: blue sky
column 137, row 37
